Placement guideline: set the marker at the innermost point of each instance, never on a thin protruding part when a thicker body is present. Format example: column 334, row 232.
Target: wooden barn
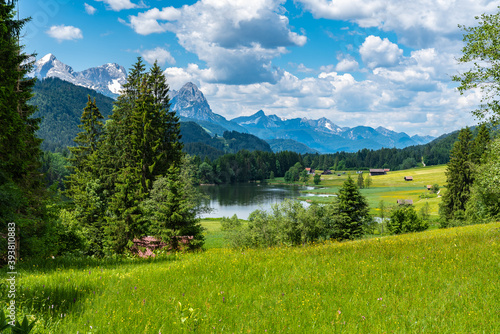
column 408, row 178
column 374, row 172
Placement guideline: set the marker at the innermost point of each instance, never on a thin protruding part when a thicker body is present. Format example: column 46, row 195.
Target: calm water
column 242, row 199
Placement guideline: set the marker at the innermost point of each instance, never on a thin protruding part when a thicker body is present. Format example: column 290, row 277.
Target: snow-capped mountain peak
column 107, row 79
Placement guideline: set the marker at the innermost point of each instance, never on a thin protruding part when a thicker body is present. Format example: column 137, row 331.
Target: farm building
column 405, row 201
column 310, row 170
column 326, row 172
column 408, row 178
column 374, row 172
column 429, row 187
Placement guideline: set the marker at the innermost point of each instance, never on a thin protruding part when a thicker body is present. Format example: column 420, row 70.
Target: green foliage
column 116, row 166
column 435, row 188
column 481, row 53
column 23, row 197
column 237, row 141
column 233, row 231
column 459, row 177
column 294, row 173
column 304, row 176
column 361, row 181
column 317, row 179
column 352, row 210
column 404, row 219
column 61, row 103
column 484, row 204
column 206, row 174
column 408, row 163
column 24, row 327
column 289, row 223
column 368, row 181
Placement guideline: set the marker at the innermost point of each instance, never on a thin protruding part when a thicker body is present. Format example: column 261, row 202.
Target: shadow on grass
column 83, row 262
column 52, row 302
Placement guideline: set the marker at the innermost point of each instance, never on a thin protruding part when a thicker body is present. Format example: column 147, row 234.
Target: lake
column 243, row 198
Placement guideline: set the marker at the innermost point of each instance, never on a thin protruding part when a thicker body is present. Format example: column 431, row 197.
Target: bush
column 404, row 219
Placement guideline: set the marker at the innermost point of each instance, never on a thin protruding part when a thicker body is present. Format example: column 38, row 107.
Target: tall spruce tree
column 141, row 144
column 480, row 144
column 459, row 179
column 84, row 185
column 352, row 210
column 21, row 185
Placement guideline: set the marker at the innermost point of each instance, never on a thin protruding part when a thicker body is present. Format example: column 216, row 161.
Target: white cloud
column 118, row 5
column 379, row 52
column 158, row 54
column 347, row 65
column 236, row 39
column 63, row 32
column 418, row 23
column 89, row 9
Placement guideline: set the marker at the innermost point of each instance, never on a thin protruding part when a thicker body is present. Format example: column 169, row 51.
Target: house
column 310, row 170
column 405, row 202
column 429, row 187
column 408, row 178
column 326, row 172
column 374, row 172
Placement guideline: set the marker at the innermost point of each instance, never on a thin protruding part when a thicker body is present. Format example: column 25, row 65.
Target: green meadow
column 388, row 188
column 438, row 281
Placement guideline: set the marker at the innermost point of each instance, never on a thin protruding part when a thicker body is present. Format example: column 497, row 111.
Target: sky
column 356, row 62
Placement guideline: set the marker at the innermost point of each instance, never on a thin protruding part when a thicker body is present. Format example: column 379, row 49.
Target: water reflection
column 242, row 199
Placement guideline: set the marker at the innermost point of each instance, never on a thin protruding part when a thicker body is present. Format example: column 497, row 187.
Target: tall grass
column 440, row 281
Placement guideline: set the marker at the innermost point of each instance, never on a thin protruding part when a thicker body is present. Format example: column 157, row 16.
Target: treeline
column 253, row 166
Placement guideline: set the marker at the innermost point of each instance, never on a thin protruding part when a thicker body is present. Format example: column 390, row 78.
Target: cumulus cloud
column 236, row 39
column 379, row 52
column 347, row 65
column 118, row 5
column 417, row 23
column 89, row 9
column 158, row 54
column 414, row 95
column 62, row 33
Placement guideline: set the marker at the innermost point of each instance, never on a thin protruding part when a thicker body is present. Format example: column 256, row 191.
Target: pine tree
column 84, row 185
column 22, row 193
column 352, row 211
column 480, row 144
column 459, row 178
column 88, row 140
column 173, row 210
column 361, row 181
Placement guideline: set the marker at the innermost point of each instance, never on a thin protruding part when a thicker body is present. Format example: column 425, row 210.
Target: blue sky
column 356, row 62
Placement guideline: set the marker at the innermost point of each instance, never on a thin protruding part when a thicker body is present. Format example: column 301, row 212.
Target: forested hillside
column 60, row 105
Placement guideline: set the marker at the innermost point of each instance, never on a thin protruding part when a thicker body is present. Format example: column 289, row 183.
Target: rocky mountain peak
column 106, row 79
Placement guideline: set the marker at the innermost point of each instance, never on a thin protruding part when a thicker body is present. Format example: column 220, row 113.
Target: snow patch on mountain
column 106, row 79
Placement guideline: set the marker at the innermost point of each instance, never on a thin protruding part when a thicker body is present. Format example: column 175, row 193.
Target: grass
column 440, row 281
column 389, row 188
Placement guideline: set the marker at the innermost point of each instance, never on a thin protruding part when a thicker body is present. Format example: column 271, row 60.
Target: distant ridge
column 324, row 135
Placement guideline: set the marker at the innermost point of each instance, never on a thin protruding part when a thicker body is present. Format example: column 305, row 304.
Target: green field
column 439, row 281
column 388, row 188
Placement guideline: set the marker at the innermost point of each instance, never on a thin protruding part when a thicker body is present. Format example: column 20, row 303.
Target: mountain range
column 106, row 79
column 297, row 134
